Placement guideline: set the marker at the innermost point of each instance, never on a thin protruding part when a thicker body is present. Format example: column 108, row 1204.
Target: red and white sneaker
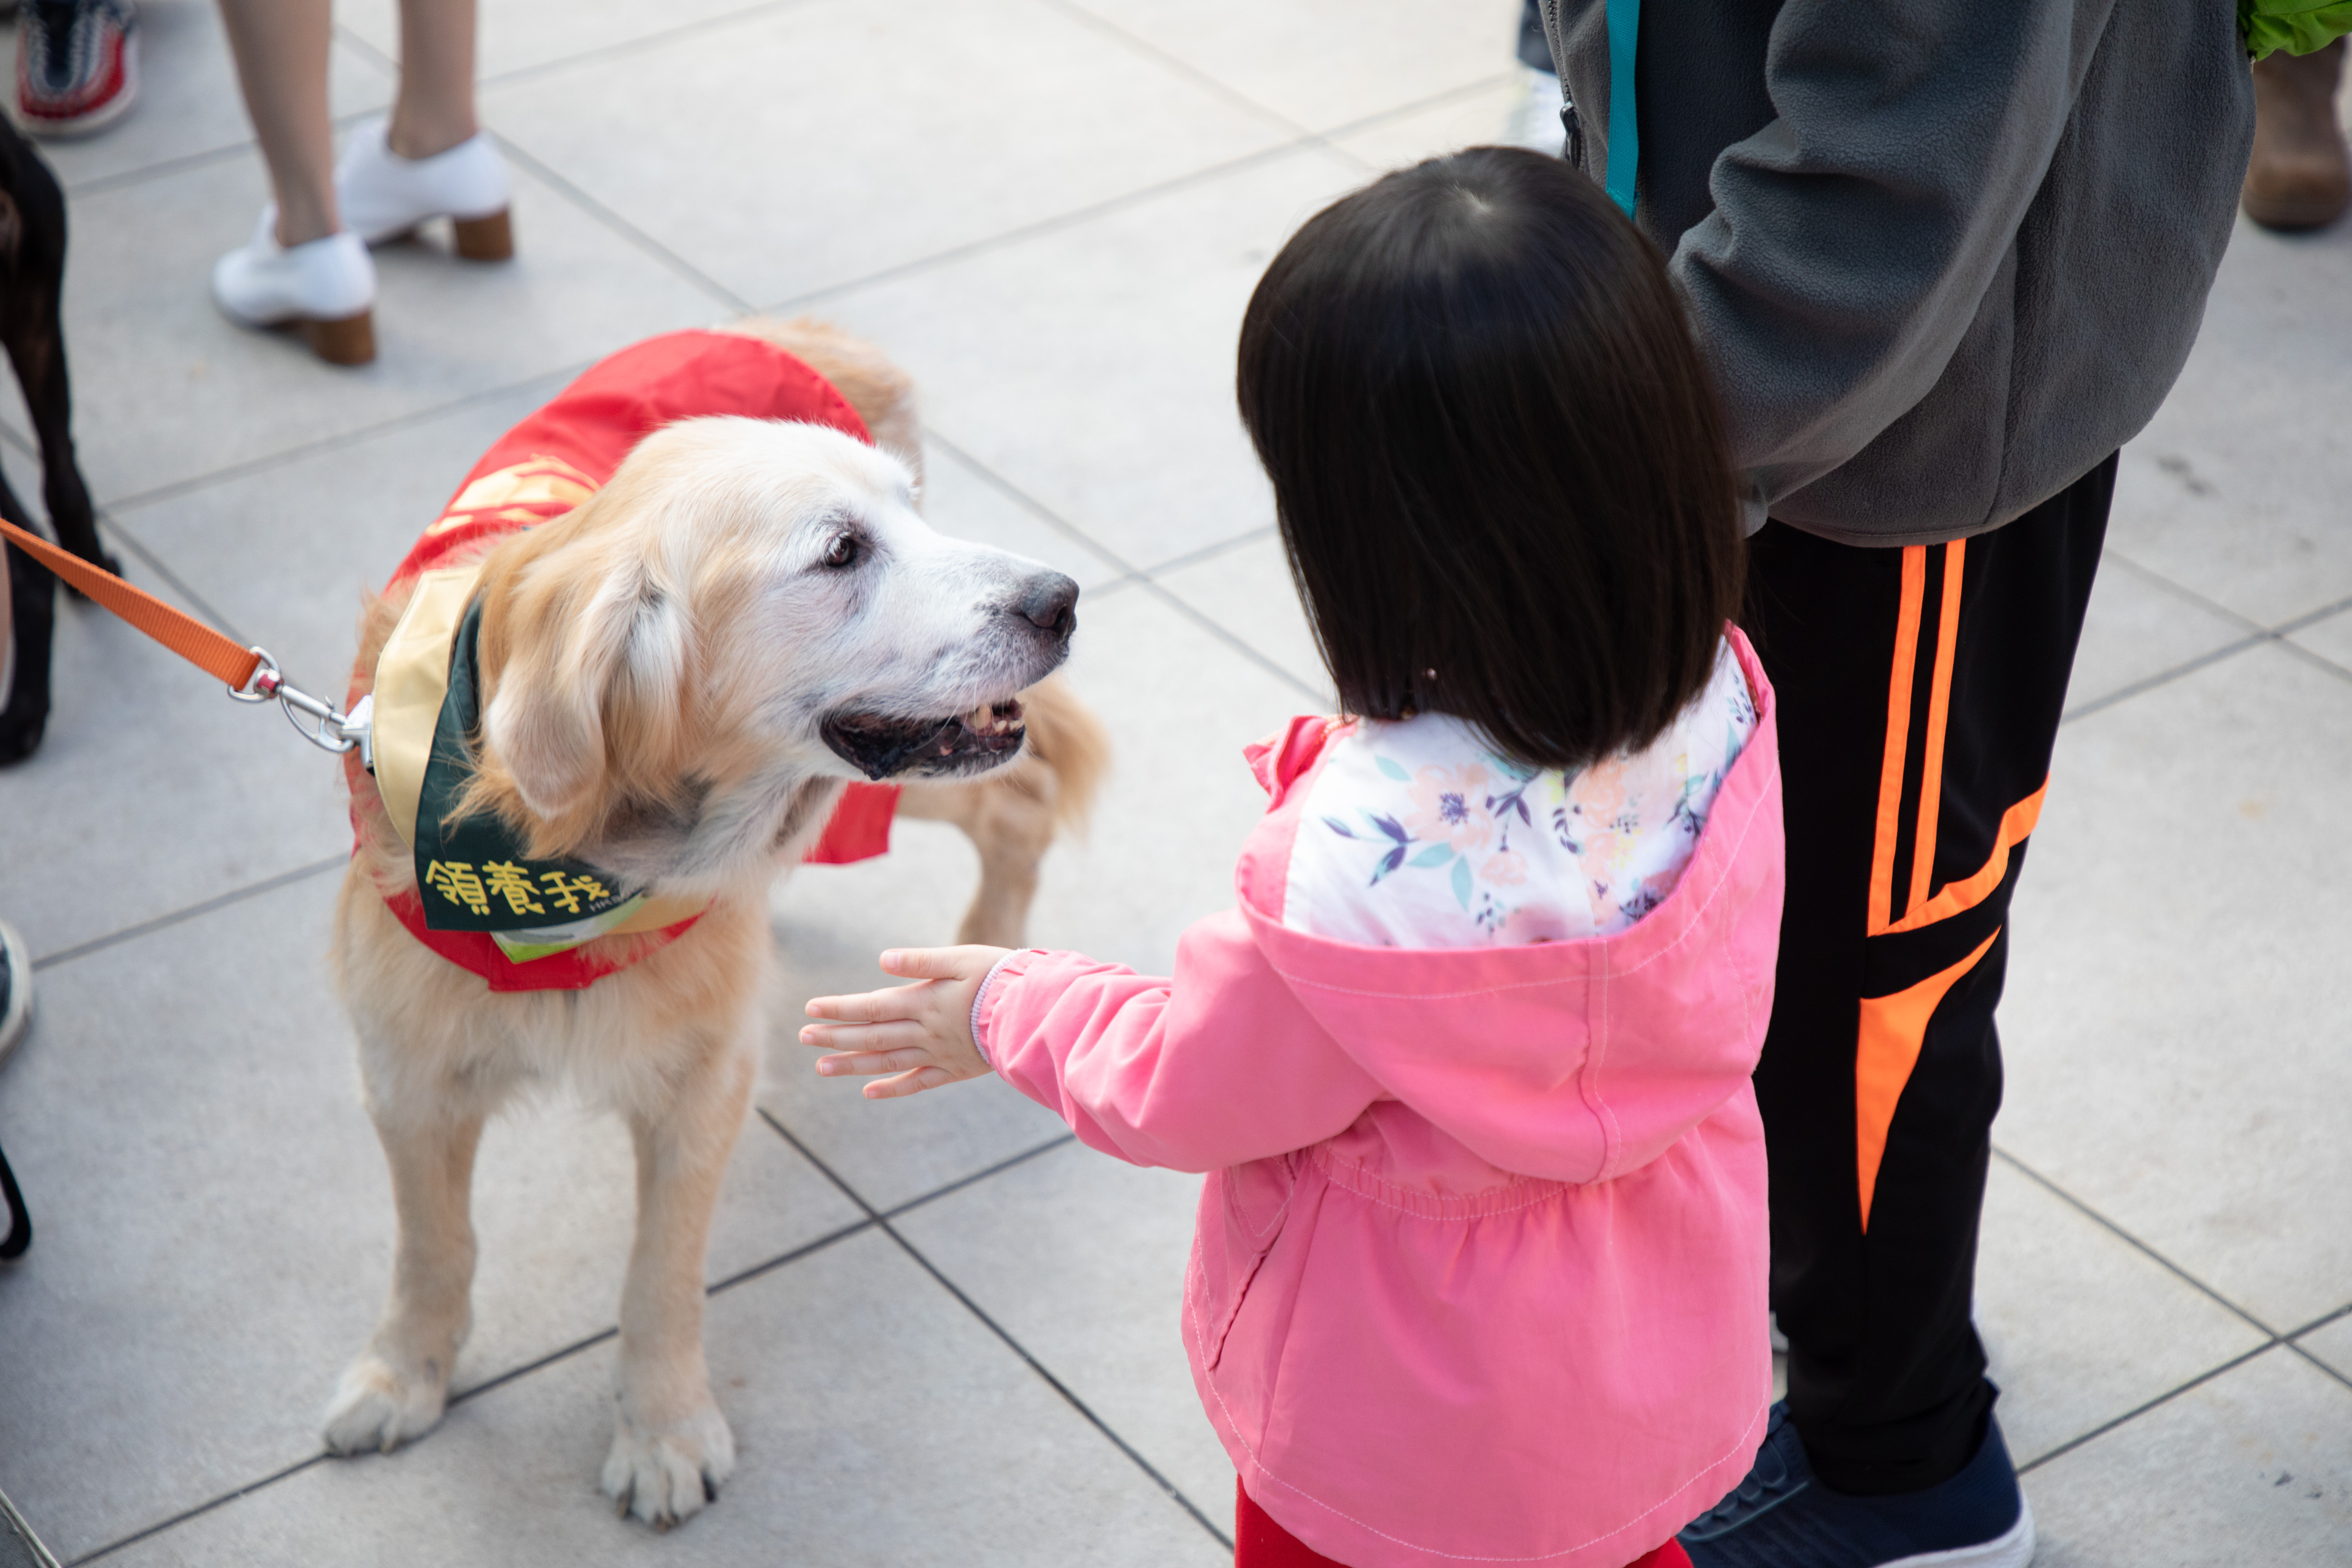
column 77, row 65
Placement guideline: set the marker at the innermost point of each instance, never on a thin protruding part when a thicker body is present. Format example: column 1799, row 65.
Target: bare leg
column 396, row 1388
column 434, row 110
column 671, row 1447
column 281, row 61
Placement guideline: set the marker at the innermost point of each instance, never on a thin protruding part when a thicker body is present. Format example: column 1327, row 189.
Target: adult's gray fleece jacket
column 1945, row 255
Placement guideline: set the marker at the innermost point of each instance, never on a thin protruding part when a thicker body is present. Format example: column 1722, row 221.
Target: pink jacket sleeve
column 1216, row 1067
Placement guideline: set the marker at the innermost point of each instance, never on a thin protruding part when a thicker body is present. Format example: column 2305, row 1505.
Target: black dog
column 32, row 276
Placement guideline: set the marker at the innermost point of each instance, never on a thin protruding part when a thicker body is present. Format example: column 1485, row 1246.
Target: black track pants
column 1920, row 694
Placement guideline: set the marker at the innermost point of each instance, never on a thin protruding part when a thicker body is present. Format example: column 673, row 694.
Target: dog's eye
column 842, row 550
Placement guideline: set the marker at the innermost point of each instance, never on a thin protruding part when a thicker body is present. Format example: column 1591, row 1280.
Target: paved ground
column 945, row 1335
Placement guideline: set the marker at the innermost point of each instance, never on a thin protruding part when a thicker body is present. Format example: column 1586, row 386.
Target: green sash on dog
column 471, row 872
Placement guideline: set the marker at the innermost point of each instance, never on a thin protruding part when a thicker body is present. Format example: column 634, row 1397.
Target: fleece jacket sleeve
column 1215, row 1067
column 1854, row 236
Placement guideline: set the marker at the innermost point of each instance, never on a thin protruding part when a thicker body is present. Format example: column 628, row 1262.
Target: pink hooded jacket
column 1479, row 1275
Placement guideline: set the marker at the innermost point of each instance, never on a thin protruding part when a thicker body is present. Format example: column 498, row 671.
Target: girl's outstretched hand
column 921, row 1034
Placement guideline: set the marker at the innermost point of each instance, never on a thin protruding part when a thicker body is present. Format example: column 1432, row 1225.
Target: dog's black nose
column 1049, row 602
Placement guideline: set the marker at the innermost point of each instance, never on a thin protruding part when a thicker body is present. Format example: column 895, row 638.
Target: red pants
column 1259, row 1542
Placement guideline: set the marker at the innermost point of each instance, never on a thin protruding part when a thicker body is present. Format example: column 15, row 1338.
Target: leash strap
column 184, row 635
column 1625, row 129
column 250, row 673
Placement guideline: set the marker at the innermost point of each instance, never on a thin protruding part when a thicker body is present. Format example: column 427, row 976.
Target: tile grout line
column 2163, row 677
column 1200, row 619
column 2256, row 634
column 2021, row 1168
column 1209, row 553
column 174, row 489
column 154, row 563
column 512, row 1374
column 1042, row 227
column 1130, row 574
column 564, row 1352
column 563, row 187
column 1326, row 140
column 767, row 1266
column 1078, row 217
column 162, row 169
column 264, row 463
column 1174, row 1493
column 629, row 46
column 717, row 1287
column 192, row 911
column 185, row 1515
column 2319, row 1365
column 2139, row 1410
column 2150, row 575
column 1143, row 49
column 189, row 163
column 1031, row 504
column 2293, row 1341
column 2213, row 606
column 960, row 1183
column 2273, row 1336
column 2319, row 1322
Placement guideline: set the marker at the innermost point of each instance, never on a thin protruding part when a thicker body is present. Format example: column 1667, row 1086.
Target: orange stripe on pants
column 1880, row 911
column 1939, row 704
column 2017, row 825
column 1894, row 1028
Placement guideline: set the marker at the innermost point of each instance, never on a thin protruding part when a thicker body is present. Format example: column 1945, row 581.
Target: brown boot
column 2301, row 175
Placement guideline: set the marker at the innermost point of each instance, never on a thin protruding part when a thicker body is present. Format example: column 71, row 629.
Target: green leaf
column 1462, row 883
column 1392, row 769
column 2298, row 26
column 1435, row 855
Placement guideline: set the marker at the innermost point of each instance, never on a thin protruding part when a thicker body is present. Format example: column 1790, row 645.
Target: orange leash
column 250, row 673
column 183, row 634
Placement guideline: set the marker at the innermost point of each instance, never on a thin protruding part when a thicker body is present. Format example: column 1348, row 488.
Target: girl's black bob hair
column 1497, row 459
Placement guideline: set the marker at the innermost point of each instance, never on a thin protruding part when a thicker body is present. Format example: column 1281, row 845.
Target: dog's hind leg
column 396, row 1388
column 671, row 1447
column 1012, row 815
column 1009, row 817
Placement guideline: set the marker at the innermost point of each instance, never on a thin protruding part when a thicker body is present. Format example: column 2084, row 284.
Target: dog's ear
column 591, row 682
column 12, row 229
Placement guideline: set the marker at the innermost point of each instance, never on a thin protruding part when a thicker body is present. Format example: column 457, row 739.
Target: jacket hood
column 1572, row 1061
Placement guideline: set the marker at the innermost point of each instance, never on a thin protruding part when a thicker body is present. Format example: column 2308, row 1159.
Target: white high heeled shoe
column 384, row 196
column 325, row 288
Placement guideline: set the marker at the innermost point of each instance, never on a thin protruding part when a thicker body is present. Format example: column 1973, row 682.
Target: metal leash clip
column 321, row 723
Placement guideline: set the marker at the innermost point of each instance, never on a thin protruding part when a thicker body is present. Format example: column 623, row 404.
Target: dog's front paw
column 378, row 1406
column 666, row 1475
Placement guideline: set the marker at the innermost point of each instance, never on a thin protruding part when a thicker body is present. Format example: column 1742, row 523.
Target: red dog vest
column 557, row 458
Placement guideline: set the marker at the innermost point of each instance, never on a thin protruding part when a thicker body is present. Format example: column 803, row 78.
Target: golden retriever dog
column 676, row 677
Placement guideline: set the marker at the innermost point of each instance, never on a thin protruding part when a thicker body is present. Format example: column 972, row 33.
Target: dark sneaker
column 77, row 64
column 16, row 989
column 1781, row 1517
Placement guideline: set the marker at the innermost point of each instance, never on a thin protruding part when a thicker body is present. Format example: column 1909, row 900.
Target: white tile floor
column 944, row 1333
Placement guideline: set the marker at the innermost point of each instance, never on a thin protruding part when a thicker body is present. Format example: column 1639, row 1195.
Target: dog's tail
column 1067, row 737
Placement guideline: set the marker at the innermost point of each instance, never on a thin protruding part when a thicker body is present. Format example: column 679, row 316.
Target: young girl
column 1479, row 1273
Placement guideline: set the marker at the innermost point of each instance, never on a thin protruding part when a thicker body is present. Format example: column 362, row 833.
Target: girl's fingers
column 932, row 963
column 865, row 1064
column 867, row 1007
column 891, row 1035
column 907, row 1083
